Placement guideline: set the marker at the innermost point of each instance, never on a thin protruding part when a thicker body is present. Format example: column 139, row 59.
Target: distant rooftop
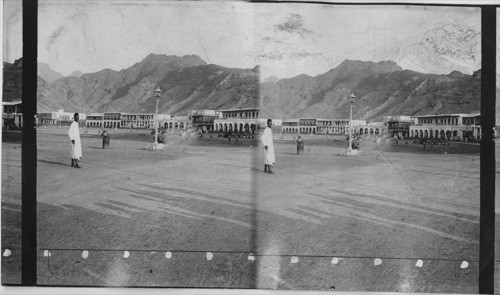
column 11, row 103
column 242, row 109
column 452, row 115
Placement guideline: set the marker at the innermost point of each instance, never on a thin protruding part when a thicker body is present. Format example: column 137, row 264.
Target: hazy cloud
column 271, row 40
column 274, row 55
column 294, row 25
column 302, row 54
column 53, row 38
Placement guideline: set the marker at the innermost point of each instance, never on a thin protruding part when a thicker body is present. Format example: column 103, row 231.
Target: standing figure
column 76, row 146
column 300, row 145
column 267, row 141
column 105, row 139
column 379, row 142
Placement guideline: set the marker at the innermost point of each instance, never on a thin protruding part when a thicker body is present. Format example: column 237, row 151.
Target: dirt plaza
column 203, row 213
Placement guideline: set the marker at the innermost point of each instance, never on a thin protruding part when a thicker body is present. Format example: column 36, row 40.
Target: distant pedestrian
column 300, row 145
column 105, row 139
column 76, row 146
column 161, row 137
column 267, row 141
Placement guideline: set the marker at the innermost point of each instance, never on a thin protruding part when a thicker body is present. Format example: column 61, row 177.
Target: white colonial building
column 174, row 122
column 369, row 128
column 240, row 120
column 203, row 119
column 60, row 118
column 447, row 126
column 12, row 114
column 323, row 126
column 94, row 120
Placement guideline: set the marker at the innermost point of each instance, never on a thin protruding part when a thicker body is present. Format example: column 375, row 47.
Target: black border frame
column 487, row 149
column 28, row 156
column 487, row 161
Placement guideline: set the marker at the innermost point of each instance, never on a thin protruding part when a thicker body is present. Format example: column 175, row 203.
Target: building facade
column 136, row 121
column 12, row 114
column 112, row 120
column 60, row 118
column 175, row 122
column 94, row 120
column 290, row 126
column 204, row 119
column 370, row 128
column 447, row 126
column 239, row 120
column 399, row 125
column 322, row 126
column 307, row 125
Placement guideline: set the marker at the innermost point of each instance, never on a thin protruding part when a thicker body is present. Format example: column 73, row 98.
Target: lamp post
column 298, row 126
column 351, row 98
column 157, row 95
column 350, row 151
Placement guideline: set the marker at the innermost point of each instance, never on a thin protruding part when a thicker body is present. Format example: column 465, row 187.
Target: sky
column 284, row 39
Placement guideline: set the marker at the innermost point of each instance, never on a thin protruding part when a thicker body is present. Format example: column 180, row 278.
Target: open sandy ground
column 203, row 214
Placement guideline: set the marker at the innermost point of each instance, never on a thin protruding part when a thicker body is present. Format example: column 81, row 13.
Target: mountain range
column 188, row 82
column 381, row 89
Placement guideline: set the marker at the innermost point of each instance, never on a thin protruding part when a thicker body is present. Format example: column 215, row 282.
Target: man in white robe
column 76, row 146
column 267, row 141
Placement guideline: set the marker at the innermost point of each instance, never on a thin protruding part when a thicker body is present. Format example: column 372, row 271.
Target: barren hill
column 186, row 82
column 12, row 80
column 381, row 89
column 46, row 73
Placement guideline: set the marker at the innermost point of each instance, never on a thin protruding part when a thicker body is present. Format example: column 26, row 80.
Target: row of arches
column 94, row 124
column 235, row 127
column 111, row 124
column 146, row 125
column 370, row 131
column 174, row 125
column 438, row 134
column 312, row 130
column 301, row 130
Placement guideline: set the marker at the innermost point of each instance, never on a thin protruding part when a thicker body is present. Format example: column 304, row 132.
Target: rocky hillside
column 187, row 82
column 46, row 73
column 12, row 80
column 381, row 89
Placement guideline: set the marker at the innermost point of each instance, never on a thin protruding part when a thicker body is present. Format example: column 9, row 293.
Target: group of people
column 76, row 145
column 267, row 142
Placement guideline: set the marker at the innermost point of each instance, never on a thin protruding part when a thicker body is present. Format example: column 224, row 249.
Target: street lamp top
column 352, row 98
column 158, row 92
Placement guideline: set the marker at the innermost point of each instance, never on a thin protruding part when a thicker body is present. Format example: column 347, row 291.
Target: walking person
column 76, row 146
column 267, row 141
